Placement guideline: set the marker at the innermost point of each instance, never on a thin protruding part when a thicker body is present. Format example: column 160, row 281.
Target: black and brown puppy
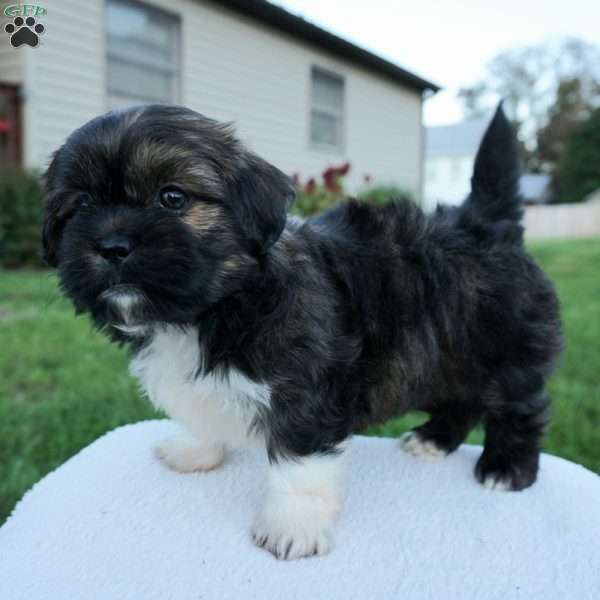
column 245, row 326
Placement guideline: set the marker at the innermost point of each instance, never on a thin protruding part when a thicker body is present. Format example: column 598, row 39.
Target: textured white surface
column 114, row 523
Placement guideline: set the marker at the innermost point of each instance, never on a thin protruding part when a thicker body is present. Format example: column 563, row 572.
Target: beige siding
column 64, row 76
column 234, row 69
column 239, row 70
column 11, row 59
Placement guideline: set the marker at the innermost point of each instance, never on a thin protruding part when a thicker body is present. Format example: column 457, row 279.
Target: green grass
column 62, row 385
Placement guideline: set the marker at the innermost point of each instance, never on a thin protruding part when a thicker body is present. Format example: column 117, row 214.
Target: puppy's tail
column 495, row 196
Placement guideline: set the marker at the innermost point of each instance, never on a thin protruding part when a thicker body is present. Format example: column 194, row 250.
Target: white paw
column 296, row 525
column 495, row 482
column 414, row 444
column 185, row 454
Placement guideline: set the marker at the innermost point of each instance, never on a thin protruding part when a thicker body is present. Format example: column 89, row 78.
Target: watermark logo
column 24, row 10
column 24, row 29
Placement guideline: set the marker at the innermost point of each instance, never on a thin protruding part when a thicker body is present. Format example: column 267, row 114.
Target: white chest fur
column 212, row 407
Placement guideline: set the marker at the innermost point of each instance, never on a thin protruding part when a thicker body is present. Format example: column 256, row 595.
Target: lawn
column 62, row 385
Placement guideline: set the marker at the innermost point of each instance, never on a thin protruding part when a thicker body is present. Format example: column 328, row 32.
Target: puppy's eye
column 172, row 198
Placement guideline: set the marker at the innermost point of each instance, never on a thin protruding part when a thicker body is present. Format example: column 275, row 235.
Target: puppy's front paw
column 296, row 525
column 414, row 443
column 186, row 455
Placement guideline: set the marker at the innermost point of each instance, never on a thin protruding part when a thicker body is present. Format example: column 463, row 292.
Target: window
column 142, row 54
column 327, row 109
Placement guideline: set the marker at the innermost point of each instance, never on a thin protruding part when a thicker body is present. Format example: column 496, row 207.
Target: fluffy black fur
column 351, row 317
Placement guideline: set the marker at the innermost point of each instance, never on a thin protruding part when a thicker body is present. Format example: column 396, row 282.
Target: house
column 449, row 158
column 300, row 96
column 535, row 188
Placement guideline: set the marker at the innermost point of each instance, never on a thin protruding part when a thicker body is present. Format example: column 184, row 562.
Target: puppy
column 246, row 326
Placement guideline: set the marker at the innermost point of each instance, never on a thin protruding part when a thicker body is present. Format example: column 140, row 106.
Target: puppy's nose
column 115, row 248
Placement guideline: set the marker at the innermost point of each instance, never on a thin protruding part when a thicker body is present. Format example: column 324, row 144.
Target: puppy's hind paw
column 498, row 473
column 414, row 443
column 185, row 454
column 495, row 481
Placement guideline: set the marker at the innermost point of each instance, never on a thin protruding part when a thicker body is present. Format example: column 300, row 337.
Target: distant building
column 535, row 188
column 449, row 157
column 300, row 96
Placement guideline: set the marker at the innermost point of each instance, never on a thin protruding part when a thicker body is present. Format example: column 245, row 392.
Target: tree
column 579, row 167
column 547, row 90
column 570, row 109
column 471, row 98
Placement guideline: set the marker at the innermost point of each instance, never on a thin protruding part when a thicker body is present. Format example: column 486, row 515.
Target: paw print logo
column 24, row 31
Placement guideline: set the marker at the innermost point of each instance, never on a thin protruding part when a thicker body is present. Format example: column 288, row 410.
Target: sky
column 449, row 42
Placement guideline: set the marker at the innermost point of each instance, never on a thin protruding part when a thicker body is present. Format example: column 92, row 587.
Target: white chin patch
column 131, row 329
column 124, row 303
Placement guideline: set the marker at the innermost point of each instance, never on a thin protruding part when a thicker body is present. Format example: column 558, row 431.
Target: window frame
column 111, row 54
column 339, row 147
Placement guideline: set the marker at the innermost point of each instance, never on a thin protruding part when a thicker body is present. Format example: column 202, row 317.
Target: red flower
column 296, row 179
column 328, row 177
column 333, row 172
column 332, row 175
column 328, row 174
column 311, row 186
column 334, row 187
column 343, row 170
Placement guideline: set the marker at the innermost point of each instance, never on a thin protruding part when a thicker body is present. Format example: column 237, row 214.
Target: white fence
column 562, row 221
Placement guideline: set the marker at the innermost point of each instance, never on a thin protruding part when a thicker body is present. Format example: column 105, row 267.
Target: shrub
column 579, row 168
column 379, row 194
column 316, row 196
column 20, row 218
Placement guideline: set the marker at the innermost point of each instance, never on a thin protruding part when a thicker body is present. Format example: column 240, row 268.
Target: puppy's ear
column 259, row 196
column 50, row 237
column 57, row 209
column 496, row 170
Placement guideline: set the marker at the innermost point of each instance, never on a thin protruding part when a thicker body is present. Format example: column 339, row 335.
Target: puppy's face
column 156, row 213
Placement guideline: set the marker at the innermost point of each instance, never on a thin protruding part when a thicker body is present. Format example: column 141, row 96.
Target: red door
column 10, row 125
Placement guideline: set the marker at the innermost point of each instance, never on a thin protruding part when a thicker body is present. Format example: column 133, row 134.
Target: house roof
column 461, row 139
column 297, row 27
